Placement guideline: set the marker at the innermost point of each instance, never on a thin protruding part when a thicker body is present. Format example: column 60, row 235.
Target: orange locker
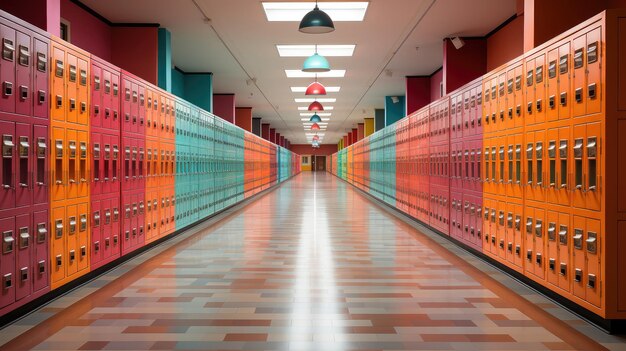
column 70, row 89
column 586, row 189
column 558, row 186
column 534, row 160
column 70, row 242
column 534, row 243
column 587, row 74
column 514, row 167
column 559, row 243
column 587, row 263
column 535, row 89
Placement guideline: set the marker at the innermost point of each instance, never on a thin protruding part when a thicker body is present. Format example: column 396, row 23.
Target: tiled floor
column 313, row 265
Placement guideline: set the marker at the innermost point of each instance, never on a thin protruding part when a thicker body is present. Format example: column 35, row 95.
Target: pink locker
column 112, row 221
column 24, row 248
column 97, row 87
column 7, row 192
column 141, row 106
column 457, row 217
column 97, row 219
column 97, row 167
column 40, row 164
column 456, row 165
column 41, row 275
column 104, row 95
column 23, row 80
column 128, row 240
column 7, row 69
column 126, row 106
column 41, row 108
column 7, row 260
column 23, row 169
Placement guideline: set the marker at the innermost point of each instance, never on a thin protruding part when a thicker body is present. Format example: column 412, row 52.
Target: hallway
column 312, row 265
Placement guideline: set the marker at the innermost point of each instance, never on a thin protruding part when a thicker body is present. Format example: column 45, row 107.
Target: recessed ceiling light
column 303, row 89
column 312, row 134
column 309, row 100
column 326, row 108
column 294, row 11
column 309, row 114
column 308, row 50
column 334, row 73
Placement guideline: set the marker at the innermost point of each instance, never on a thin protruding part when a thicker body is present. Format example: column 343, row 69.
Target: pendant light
column 316, row 22
column 315, row 88
column 315, row 126
column 315, row 118
column 316, row 106
column 316, row 138
column 316, row 63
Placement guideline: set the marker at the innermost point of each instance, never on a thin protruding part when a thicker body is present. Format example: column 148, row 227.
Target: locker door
column 72, row 240
column 41, row 253
column 535, row 165
column 110, row 164
column 58, row 93
column 40, row 79
column 518, row 105
column 59, row 165
column 552, row 87
column 501, row 165
column 97, row 96
column 9, row 163
column 23, row 80
column 539, row 243
column 594, row 82
column 579, row 76
column 552, row 253
column 7, row 69
column 83, row 91
column 509, row 113
column 593, row 276
column 486, row 113
column 115, row 237
column 97, row 230
column 149, row 216
column 578, row 257
column 83, row 164
column 565, row 248
column 116, row 101
column 7, row 268
column 529, row 88
column 587, row 167
column 72, row 88
column 106, row 104
column 518, row 242
column 510, row 233
column 97, row 169
column 565, row 86
column 141, row 104
column 540, row 89
column 83, row 236
column 127, row 125
column 515, row 165
column 106, row 228
column 73, row 163
column 501, row 234
column 40, row 164
column 58, row 241
column 115, row 163
column 24, row 246
column 529, row 239
column 134, row 107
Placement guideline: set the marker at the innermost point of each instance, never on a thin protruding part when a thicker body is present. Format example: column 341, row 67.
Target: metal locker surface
column 7, row 260
column 24, row 254
column 41, row 238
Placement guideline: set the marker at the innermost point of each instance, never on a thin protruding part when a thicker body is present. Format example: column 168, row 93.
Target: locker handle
column 59, row 101
column 8, row 88
column 592, row 90
column 42, row 97
column 23, row 92
column 579, row 95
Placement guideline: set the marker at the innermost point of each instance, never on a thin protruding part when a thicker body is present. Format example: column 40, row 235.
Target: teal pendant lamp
column 316, row 22
column 316, row 63
column 315, row 118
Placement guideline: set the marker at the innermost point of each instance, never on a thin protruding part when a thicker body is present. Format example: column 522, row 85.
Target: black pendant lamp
column 316, row 22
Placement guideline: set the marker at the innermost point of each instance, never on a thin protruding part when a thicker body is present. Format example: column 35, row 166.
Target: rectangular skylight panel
column 294, row 11
column 334, row 73
column 309, row 100
column 321, row 114
column 303, row 89
column 326, row 108
column 308, row 50
column 308, row 119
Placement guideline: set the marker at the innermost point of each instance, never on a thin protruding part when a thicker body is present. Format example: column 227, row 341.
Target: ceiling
column 238, row 43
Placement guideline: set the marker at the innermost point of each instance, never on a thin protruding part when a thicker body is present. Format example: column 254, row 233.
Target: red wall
column 44, row 14
column 307, row 149
column 461, row 66
column 418, row 93
column 506, row 44
column 435, row 81
column 86, row 31
column 243, row 118
column 224, row 106
column 136, row 49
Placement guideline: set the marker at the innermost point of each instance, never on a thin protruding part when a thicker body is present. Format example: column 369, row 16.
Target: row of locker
column 516, row 165
column 94, row 165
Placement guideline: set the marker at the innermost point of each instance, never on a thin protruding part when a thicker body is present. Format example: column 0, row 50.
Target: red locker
column 40, row 164
column 7, row 192
column 7, row 268
column 24, row 248
column 97, row 229
column 41, row 254
column 8, row 68
column 41, row 108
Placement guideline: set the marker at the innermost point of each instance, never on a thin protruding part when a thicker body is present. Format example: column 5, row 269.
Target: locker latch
column 529, row 255
column 8, row 88
column 24, row 273
column 59, row 260
column 24, row 238
column 578, row 275
column 592, row 238
column 591, row 280
column 59, row 101
column 592, row 88
column 83, row 222
column 72, row 221
column 41, row 266
column 72, row 255
column 552, row 231
column 563, row 98
column 96, row 219
column 96, row 246
column 7, row 49
column 83, row 251
column 42, row 97
column 107, row 216
column 23, row 92
column 563, row 268
column 72, row 73
column 578, row 239
column 518, row 250
column 579, row 95
column 538, row 258
column 58, row 228
column 7, row 241
column 7, row 280
column 563, row 239
column 552, row 264
column 59, row 68
column 42, row 62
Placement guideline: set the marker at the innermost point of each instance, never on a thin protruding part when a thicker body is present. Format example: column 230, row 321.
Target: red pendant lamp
column 315, row 88
column 315, row 126
column 316, row 106
column 316, row 138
